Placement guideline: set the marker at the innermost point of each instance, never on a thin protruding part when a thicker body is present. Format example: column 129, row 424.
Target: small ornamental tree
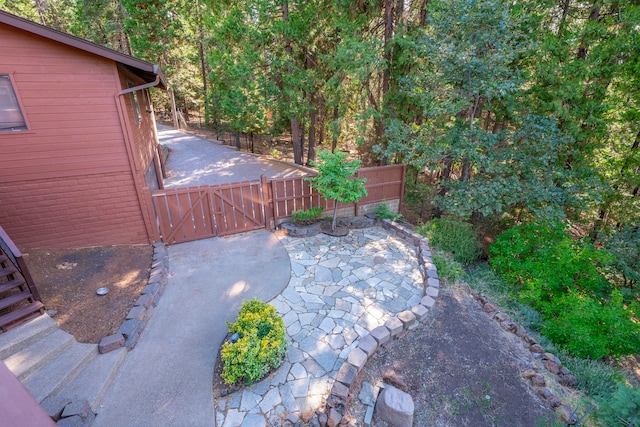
column 335, row 180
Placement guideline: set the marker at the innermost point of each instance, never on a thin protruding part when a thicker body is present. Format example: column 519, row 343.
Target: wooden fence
column 384, row 184
column 192, row 213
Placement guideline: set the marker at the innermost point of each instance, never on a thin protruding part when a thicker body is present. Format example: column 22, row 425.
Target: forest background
column 521, row 117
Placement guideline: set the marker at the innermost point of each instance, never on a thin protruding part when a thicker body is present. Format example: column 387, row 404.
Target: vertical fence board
column 218, row 210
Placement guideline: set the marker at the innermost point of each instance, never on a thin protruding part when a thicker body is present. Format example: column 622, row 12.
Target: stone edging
column 129, row 332
column 550, row 361
column 396, row 327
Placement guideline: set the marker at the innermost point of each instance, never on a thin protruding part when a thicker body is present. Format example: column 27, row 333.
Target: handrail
column 14, row 254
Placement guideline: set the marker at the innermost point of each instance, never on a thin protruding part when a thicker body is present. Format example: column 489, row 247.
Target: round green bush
column 261, row 345
column 452, row 235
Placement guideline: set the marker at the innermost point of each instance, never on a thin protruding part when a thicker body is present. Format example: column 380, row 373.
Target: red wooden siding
column 65, row 94
column 69, row 181
column 96, row 210
column 142, row 132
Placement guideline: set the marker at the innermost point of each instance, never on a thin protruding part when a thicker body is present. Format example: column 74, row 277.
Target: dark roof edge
column 78, row 43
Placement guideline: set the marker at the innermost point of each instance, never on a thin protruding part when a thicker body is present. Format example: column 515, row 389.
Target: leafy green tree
column 585, row 73
column 162, row 32
column 563, row 279
column 242, row 91
column 335, row 180
column 465, row 75
column 102, row 22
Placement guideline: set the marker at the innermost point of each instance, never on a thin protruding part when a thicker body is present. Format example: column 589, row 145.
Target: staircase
column 51, row 364
column 19, row 298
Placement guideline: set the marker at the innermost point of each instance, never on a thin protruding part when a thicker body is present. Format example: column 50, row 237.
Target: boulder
column 395, row 407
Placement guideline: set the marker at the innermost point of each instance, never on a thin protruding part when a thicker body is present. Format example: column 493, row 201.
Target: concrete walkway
column 198, row 161
column 167, row 379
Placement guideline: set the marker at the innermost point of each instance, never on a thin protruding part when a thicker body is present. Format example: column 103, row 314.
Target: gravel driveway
column 198, row 161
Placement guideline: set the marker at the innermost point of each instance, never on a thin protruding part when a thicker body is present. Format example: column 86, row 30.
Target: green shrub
column 529, row 317
column 448, row 269
column 307, row 216
column 589, row 328
column 261, row 345
column 621, row 409
column 595, row 378
column 382, row 211
column 561, row 278
column 482, row 278
column 454, row 236
column 624, row 245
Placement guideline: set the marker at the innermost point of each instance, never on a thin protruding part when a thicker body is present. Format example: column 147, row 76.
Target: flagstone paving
column 340, row 289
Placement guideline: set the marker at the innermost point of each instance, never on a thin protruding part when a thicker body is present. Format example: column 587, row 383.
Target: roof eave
column 84, row 45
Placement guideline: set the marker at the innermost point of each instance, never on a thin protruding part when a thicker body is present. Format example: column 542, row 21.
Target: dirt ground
column 67, row 280
column 461, row 369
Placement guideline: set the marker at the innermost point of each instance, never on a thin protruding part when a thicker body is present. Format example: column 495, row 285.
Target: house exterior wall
column 67, row 181
column 144, row 137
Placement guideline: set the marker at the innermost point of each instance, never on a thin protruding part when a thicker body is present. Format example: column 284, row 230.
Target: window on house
column 136, row 104
column 11, row 118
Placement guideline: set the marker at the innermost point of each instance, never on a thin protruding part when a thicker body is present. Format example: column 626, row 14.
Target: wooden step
column 4, row 272
column 14, row 283
column 14, row 299
column 3, row 258
column 23, row 313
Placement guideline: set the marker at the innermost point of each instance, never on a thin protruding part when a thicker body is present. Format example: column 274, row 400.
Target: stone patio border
column 550, row 362
column 135, row 321
column 396, row 327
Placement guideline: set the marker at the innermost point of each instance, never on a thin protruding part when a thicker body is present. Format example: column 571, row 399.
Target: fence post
column 404, row 179
column 355, row 204
column 267, row 202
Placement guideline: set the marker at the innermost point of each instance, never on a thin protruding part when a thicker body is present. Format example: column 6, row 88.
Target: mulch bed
column 67, row 280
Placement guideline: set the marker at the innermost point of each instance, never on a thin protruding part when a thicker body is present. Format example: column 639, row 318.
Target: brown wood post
column 174, row 112
column 404, row 178
column 152, row 216
column 355, row 205
column 267, row 202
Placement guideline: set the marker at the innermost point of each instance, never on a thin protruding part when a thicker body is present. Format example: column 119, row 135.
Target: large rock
column 395, row 407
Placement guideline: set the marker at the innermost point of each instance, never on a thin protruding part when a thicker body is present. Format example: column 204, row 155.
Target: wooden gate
column 193, row 213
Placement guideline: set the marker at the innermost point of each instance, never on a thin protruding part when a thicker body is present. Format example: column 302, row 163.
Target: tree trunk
column 399, row 12
column 334, row 140
column 295, row 137
column 311, row 155
column 123, row 39
column 564, row 6
column 423, row 13
column 295, row 123
column 237, row 139
column 335, row 213
column 321, row 121
column 203, row 66
column 388, row 35
column 40, row 9
column 594, row 14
